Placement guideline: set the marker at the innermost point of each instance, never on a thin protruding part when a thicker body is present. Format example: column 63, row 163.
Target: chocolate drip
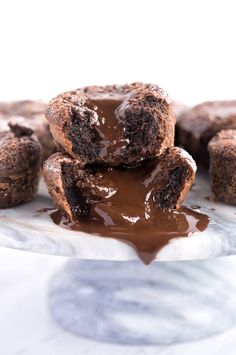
column 108, row 124
column 146, row 236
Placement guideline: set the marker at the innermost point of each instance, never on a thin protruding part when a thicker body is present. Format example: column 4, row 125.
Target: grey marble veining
column 129, row 303
column 26, row 228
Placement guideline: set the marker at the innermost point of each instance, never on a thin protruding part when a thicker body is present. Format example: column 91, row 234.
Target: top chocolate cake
column 112, row 125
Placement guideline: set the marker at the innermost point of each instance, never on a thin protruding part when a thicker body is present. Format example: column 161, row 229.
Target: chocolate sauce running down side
column 109, row 126
column 146, row 238
column 127, row 209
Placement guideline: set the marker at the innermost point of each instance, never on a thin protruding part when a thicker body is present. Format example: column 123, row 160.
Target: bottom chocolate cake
column 119, row 193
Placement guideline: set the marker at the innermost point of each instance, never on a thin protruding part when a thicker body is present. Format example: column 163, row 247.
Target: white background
column 185, row 46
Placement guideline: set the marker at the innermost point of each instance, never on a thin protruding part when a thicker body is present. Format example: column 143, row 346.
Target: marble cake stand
column 106, row 293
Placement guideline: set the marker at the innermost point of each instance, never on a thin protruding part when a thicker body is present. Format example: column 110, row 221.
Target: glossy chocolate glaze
column 146, row 236
column 109, row 126
column 123, row 205
column 132, row 194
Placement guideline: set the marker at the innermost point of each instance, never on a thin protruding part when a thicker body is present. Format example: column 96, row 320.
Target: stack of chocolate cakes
column 115, row 145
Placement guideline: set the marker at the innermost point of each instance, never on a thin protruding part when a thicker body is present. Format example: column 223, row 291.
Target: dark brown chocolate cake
column 222, row 150
column 20, row 163
column 29, row 114
column 112, row 125
column 80, row 191
column 198, row 125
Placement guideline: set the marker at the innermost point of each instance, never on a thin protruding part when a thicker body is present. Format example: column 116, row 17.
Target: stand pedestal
column 129, row 303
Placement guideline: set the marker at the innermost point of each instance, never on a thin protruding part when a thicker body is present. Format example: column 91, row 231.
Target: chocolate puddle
column 147, row 237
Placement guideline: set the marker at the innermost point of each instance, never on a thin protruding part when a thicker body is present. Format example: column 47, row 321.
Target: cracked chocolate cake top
column 112, row 125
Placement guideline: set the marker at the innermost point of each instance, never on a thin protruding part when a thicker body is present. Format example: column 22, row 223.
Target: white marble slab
column 24, row 227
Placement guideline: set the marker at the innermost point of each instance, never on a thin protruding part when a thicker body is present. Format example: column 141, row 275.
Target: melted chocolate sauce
column 109, row 126
column 146, row 236
column 122, row 204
